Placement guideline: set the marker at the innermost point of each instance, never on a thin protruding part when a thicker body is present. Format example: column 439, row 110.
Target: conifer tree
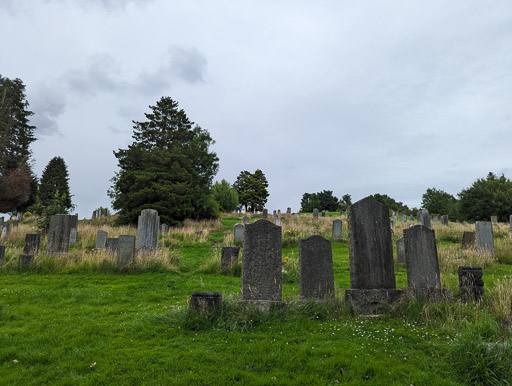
column 252, row 190
column 55, row 183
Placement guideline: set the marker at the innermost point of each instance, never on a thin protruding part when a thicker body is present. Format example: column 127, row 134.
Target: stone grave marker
column 2, row 254
column 444, row 219
column 316, row 276
column 101, row 239
column 337, row 226
column 395, row 218
column 111, row 244
column 147, row 230
column 494, row 219
column 239, row 233
column 32, row 242
column 400, row 251
column 288, row 210
column 229, row 257
column 164, row 229
column 277, row 221
column 205, row 302
column 404, row 218
column 74, row 222
column 25, row 259
column 468, row 240
column 58, row 235
column 245, row 220
column 436, row 219
column 73, row 237
column 471, row 283
column 323, row 213
column 425, row 218
column 125, row 250
column 483, row 237
column 391, row 224
column 315, row 213
column 265, row 213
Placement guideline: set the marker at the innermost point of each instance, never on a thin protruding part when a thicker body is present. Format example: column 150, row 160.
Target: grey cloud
column 48, row 103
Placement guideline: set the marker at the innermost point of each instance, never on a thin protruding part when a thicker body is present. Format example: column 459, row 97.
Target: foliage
column 225, row 195
column 57, row 205
column 55, row 183
column 324, row 200
column 345, row 202
column 252, row 190
column 15, row 188
column 168, row 167
column 485, row 198
column 390, row 203
column 439, row 202
column 309, row 202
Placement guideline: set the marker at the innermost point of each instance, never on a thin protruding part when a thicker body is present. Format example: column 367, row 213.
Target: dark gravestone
column 323, row 213
column 288, row 210
column 468, row 240
column 444, row 219
column 261, row 262
column 483, row 237
column 265, row 213
column 32, row 242
column 315, row 213
column 111, row 244
column 425, row 218
column 58, row 235
column 400, row 251
column 101, row 239
column 2, row 254
column 125, row 250
column 229, row 257
column 147, row 230
column 239, row 231
column 245, row 220
column 205, row 302
column 336, row 230
column 25, row 259
column 471, row 283
column 316, row 275
column 74, row 222
column 372, row 275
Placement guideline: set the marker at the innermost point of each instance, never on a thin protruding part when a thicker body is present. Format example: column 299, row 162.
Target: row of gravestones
column 5, row 226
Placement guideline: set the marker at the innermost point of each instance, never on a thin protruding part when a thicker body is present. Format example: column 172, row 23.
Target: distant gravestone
column 239, row 232
column 125, row 250
column 323, row 213
column 274, row 213
column 288, row 210
column 32, row 242
column 404, row 218
column 2, row 254
column 425, row 218
column 483, row 237
column 315, row 213
column 111, row 244
column 246, row 220
column 395, row 219
column 372, row 275
column 25, row 259
column 316, row 275
column 400, row 251
column 412, row 218
column 205, row 302
column 15, row 224
column 444, row 219
column 279, row 212
column 164, row 229
column 494, row 219
column 265, row 213
column 58, row 235
column 5, row 230
column 468, row 240
column 147, row 230
column 277, row 221
column 229, row 257
column 19, row 216
column 74, row 222
column 471, row 283
column 419, row 216
column 261, row 262
column 101, row 239
column 336, row 230
column 436, row 219
column 73, row 237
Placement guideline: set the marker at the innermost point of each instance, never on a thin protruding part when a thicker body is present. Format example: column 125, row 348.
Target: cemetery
column 370, row 296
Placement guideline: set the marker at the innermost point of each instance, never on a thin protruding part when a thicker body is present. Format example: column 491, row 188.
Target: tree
column 328, row 201
column 252, row 190
column 390, row 203
column 309, row 202
column 439, row 202
column 485, row 198
column 345, row 202
column 225, row 195
column 168, row 167
column 55, row 183
column 16, row 135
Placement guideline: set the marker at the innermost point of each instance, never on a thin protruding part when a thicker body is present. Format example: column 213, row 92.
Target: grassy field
column 78, row 319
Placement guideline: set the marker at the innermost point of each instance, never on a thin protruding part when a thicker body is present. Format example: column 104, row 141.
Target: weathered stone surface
column 425, row 218
column 111, row 244
column 471, row 283
column 239, row 231
column 370, row 246
column 436, row 219
column 400, row 251
column 229, row 257
column 125, row 250
column 468, row 240
column 370, row 301
column 74, row 222
column 315, row 213
column 277, row 221
column 483, row 237
column 32, row 242
column 101, row 239
column 58, row 235
column 421, row 258
column 337, row 226
column 164, row 229
column 25, row 259
column 2, row 254
column 404, row 218
column 147, row 229
column 391, row 224
column 323, row 213
column 395, row 219
column 316, row 276
column 73, row 237
column 261, row 262
column 444, row 219
column 265, row 213
column 245, row 220
column 494, row 219
column 205, row 302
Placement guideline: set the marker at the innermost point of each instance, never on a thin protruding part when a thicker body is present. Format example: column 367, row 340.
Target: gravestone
column 274, row 213
column 164, row 229
column 58, row 235
column 229, row 257
column 32, row 242
column 125, row 250
column 25, row 259
column 19, row 216
column 101, row 239
column 395, row 218
column 2, row 254
column 74, row 222
column 147, row 229
column 261, row 262
column 471, row 283
column 468, row 240
column 372, row 275
column 483, row 237
column 315, row 213
column 323, row 213
column 15, row 224
column 279, row 212
column 404, row 218
column 296, row 216
column 5, row 230
column 444, row 219
column 425, row 218
column 245, row 220
column 336, row 230
column 277, row 221
column 205, row 302
column 494, row 219
column 239, row 232
column 436, row 219
column 316, row 276
column 400, row 251
column 265, row 213
column 288, row 210
column 419, row 216
column 111, row 244
column 73, row 237
column 412, row 218
column 391, row 224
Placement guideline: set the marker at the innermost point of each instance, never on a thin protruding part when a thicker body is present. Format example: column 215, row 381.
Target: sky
column 357, row 97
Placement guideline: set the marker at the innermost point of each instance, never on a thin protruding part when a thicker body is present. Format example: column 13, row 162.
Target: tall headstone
column 147, row 229
column 5, row 230
column 19, row 216
column 261, row 262
column 336, row 230
column 444, row 219
column 391, row 224
column 471, row 283
column 483, row 237
column 400, row 251
column 245, row 220
column 372, row 275
column 229, row 257
column 425, row 218
column 468, row 240
column 125, row 250
column 494, row 219
column 277, row 221
column 288, row 210
column 2, row 254
column 315, row 213
column 58, row 235
column 32, row 242
column 316, row 276
column 239, row 231
column 265, row 213
column 101, row 239
column 111, row 244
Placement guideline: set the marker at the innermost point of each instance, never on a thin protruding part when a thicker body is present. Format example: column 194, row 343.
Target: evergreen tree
column 168, row 167
column 328, row 201
column 345, row 202
column 252, row 190
column 55, row 183
column 391, row 204
column 309, row 202
column 225, row 195
column 439, row 202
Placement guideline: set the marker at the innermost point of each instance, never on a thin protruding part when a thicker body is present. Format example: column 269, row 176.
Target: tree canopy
column 439, row 202
column 252, row 190
column 168, row 167
column 390, row 203
column 55, row 183
column 324, row 200
column 225, row 195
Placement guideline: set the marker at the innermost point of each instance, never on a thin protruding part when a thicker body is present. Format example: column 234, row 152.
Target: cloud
column 48, row 103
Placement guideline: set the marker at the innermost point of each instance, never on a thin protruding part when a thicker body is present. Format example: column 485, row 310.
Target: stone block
column 316, row 276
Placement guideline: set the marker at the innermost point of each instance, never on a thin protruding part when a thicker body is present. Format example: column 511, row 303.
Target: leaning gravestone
column 468, row 240
column 101, row 239
column 494, row 219
column 483, row 237
column 147, row 229
column 336, row 230
column 315, row 213
column 261, row 262
column 471, row 284
column 32, row 242
column 372, row 275
column 444, row 219
column 239, row 231
column 316, row 277
column 400, row 251
column 2, row 254
column 111, row 244
column 229, row 257
column 25, row 259
column 58, row 235
column 125, row 250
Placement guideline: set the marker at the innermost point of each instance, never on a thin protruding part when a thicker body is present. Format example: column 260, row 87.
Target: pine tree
column 55, row 183
column 168, row 167
column 252, row 190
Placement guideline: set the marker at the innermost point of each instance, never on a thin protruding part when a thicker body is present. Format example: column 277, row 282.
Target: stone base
column 263, row 306
column 471, row 292
column 371, row 301
column 204, row 302
column 428, row 294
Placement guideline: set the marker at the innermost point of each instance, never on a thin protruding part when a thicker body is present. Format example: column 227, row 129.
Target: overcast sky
column 358, row 97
